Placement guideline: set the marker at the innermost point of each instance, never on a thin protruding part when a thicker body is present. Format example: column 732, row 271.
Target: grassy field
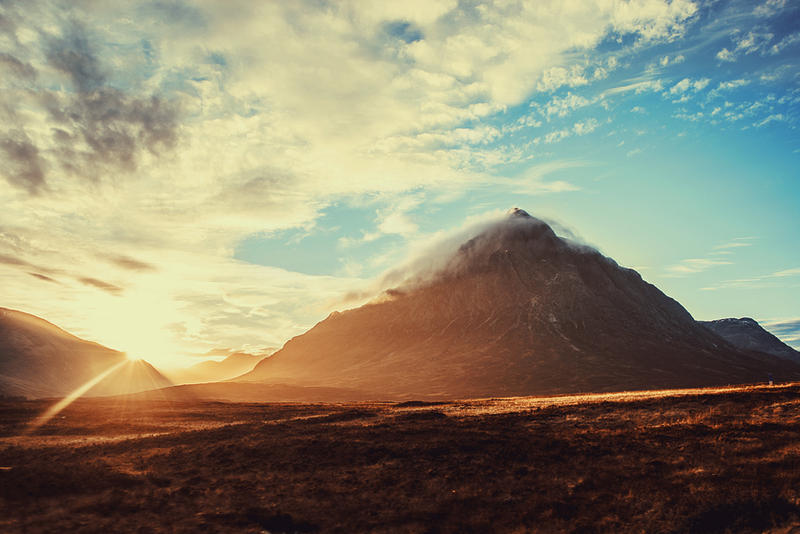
column 689, row 461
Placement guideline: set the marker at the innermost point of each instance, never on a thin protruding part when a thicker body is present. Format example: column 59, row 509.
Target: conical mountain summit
column 516, row 310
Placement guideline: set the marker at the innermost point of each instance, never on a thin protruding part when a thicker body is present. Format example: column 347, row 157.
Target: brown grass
column 725, row 461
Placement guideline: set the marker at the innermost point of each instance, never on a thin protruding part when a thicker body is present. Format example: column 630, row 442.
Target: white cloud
column 753, row 42
column 787, row 272
column 561, row 106
column 769, row 8
column 732, row 84
column 636, row 86
column 674, row 60
column 694, row 265
column 726, row 55
column 775, row 117
column 786, row 42
column 736, row 243
column 680, row 87
column 585, row 127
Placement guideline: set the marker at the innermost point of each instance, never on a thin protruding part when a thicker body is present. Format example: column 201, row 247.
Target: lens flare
column 69, row 399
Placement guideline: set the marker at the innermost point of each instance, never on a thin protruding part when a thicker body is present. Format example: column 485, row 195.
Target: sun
column 144, row 324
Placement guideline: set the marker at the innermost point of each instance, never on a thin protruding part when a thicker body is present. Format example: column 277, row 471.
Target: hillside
column 516, row 310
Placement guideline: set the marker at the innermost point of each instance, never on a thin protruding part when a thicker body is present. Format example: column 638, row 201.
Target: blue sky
column 221, row 175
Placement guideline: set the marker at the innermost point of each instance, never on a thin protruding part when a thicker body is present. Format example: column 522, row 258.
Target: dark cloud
column 72, row 55
column 97, row 127
column 22, row 166
column 17, row 68
column 127, row 262
column 99, row 284
column 115, row 126
column 44, row 277
column 6, row 25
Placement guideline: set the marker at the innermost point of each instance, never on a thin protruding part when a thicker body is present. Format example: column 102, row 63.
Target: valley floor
column 686, row 461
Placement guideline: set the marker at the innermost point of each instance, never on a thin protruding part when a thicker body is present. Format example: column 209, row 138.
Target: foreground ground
column 698, row 461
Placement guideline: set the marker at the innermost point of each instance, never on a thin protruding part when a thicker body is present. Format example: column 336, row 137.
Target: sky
column 178, row 177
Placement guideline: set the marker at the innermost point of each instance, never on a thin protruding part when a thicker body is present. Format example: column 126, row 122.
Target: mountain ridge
column 516, row 310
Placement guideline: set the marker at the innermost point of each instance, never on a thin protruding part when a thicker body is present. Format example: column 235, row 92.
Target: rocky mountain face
column 516, row 311
column 747, row 334
column 38, row 359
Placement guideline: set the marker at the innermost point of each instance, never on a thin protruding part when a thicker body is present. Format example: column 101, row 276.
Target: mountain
column 38, row 359
column 747, row 334
column 235, row 364
column 516, row 310
column 132, row 376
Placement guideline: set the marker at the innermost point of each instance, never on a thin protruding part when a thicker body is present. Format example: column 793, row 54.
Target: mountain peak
column 518, row 213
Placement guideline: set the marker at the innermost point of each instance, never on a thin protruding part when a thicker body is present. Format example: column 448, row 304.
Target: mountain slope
column 747, row 334
column 38, row 359
column 516, row 311
column 235, row 364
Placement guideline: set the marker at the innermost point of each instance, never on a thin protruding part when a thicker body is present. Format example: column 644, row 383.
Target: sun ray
column 69, row 399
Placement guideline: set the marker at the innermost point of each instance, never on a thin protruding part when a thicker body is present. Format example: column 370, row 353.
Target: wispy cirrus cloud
column 773, row 279
column 694, row 265
column 788, row 330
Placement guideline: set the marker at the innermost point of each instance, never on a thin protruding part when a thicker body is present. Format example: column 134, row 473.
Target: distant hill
column 39, row 359
column 516, row 310
column 235, row 364
column 747, row 334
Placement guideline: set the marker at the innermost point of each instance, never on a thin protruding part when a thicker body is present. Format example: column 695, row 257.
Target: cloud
column 753, row 41
column 100, row 284
column 779, row 117
column 585, row 127
column 11, row 260
column 739, row 242
column 788, row 41
column 94, row 127
column 731, row 84
column 686, row 84
column 46, row 278
column 127, row 262
column 681, row 86
column 72, row 55
column 787, row 272
column 726, row 55
column 674, row 60
column 636, row 86
column 24, row 166
column 771, row 279
column 17, row 68
column 561, row 106
column 694, row 265
column 769, row 8
column 788, row 330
